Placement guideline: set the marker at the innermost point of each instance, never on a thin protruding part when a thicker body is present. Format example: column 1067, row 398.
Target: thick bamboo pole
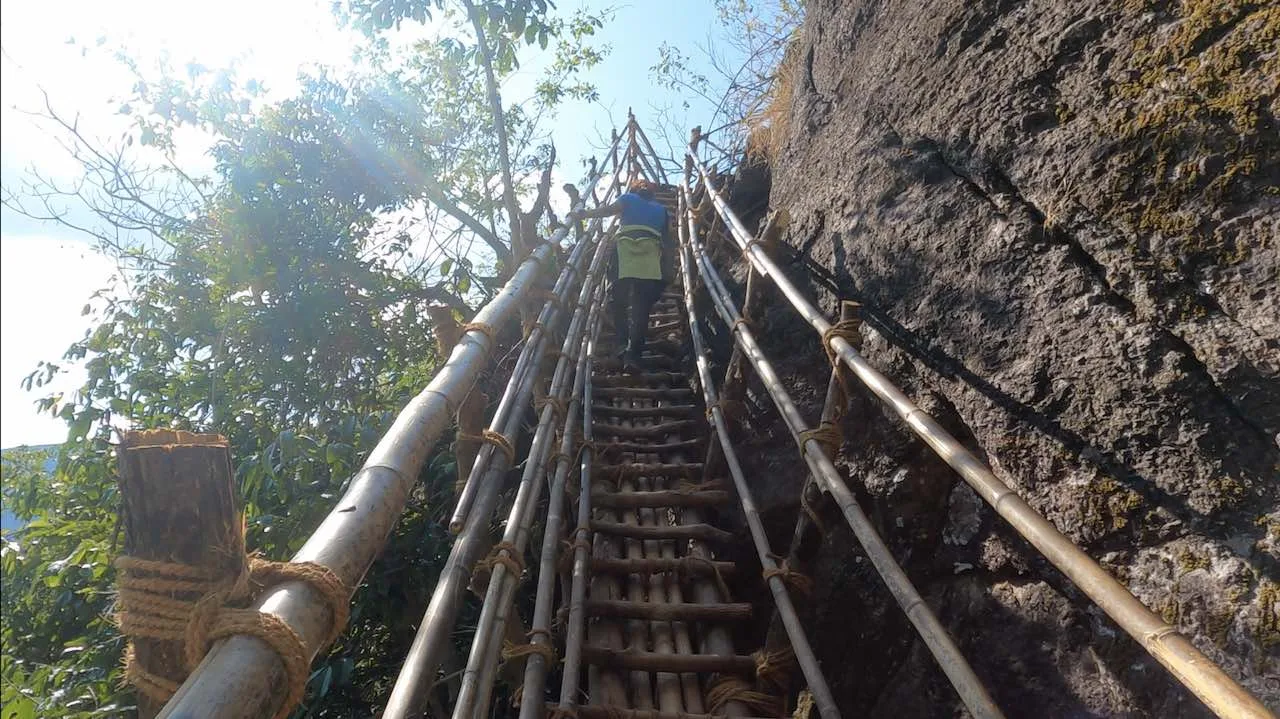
column 1188, row 665
column 525, row 363
column 777, row 587
column 434, row 633
column 949, row 658
column 242, row 676
column 477, row 679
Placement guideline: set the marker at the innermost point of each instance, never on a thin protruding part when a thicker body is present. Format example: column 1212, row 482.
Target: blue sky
column 47, row 272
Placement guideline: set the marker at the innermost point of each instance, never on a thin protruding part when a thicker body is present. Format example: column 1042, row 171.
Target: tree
column 284, row 301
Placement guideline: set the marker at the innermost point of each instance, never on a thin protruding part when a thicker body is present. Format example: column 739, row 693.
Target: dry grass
column 769, row 127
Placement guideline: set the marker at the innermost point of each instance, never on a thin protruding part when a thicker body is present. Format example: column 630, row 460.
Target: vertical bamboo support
column 179, row 505
column 953, row 664
column 1222, row 694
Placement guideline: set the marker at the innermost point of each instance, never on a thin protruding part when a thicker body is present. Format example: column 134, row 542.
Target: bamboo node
column 794, row 579
column 499, row 440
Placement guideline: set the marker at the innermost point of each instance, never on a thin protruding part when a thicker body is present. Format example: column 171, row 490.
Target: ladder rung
column 687, row 471
column 607, row 448
column 644, row 392
column 671, row 410
column 653, row 430
column 621, row 609
column 673, row 663
column 684, row 565
column 613, row 380
column 605, row 711
column 640, row 500
column 701, row 532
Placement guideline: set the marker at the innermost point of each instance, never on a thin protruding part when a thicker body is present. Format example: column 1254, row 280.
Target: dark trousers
column 632, row 300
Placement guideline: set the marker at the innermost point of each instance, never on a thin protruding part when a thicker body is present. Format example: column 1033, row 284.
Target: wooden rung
column 654, row 430
column 650, row 360
column 687, row 471
column 641, row 500
column 673, row 663
column 630, row 380
column 655, row 566
column 604, row 711
column 645, row 392
column 671, row 410
column 667, row 326
column 604, row 449
column 701, row 532
column 662, row 346
column 668, row 612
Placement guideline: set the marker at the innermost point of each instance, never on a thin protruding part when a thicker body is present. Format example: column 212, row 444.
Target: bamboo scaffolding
column 242, row 676
column 576, row 620
column 477, row 678
column 1222, row 694
column 953, row 664
column 782, row 599
column 639, row 683
column 536, row 668
column 526, row 362
column 434, row 632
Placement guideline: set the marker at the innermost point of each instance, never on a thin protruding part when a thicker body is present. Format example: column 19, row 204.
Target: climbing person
column 636, row 270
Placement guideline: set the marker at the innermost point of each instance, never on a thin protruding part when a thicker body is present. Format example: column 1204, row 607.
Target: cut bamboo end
column 672, row 663
column 703, row 532
column 619, row 609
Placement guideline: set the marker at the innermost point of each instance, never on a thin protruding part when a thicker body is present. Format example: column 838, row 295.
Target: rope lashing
column 687, row 562
column 774, row 668
column 740, row 321
column 730, row 408
column 725, row 689
column 557, row 404
column 499, row 440
column 506, row 554
column 529, row 327
column 549, row 296
column 487, row 330
column 812, row 512
column 805, row 705
column 827, row 434
column 148, row 608
column 794, row 579
column 515, row 651
column 846, row 330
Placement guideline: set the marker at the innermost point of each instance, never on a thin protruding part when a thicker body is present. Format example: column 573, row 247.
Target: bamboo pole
column 953, row 664
column 535, row 672
column 526, row 362
column 1222, row 694
column 434, row 633
column 576, row 620
column 242, row 676
column 782, row 599
column 477, row 679
column 644, row 140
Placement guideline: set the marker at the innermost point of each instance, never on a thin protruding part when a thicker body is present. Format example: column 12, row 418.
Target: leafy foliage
column 281, row 301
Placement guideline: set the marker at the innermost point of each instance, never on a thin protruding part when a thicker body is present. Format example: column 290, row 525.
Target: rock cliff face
column 1063, row 221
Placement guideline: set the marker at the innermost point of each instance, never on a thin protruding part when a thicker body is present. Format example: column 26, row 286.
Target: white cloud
column 44, row 283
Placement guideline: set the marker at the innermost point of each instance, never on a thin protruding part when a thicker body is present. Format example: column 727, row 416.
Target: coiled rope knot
column 487, row 330
column 506, row 554
column 774, row 668
column 557, row 404
column 499, row 440
column 176, row 602
column 794, row 579
column 725, row 689
column 827, row 434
